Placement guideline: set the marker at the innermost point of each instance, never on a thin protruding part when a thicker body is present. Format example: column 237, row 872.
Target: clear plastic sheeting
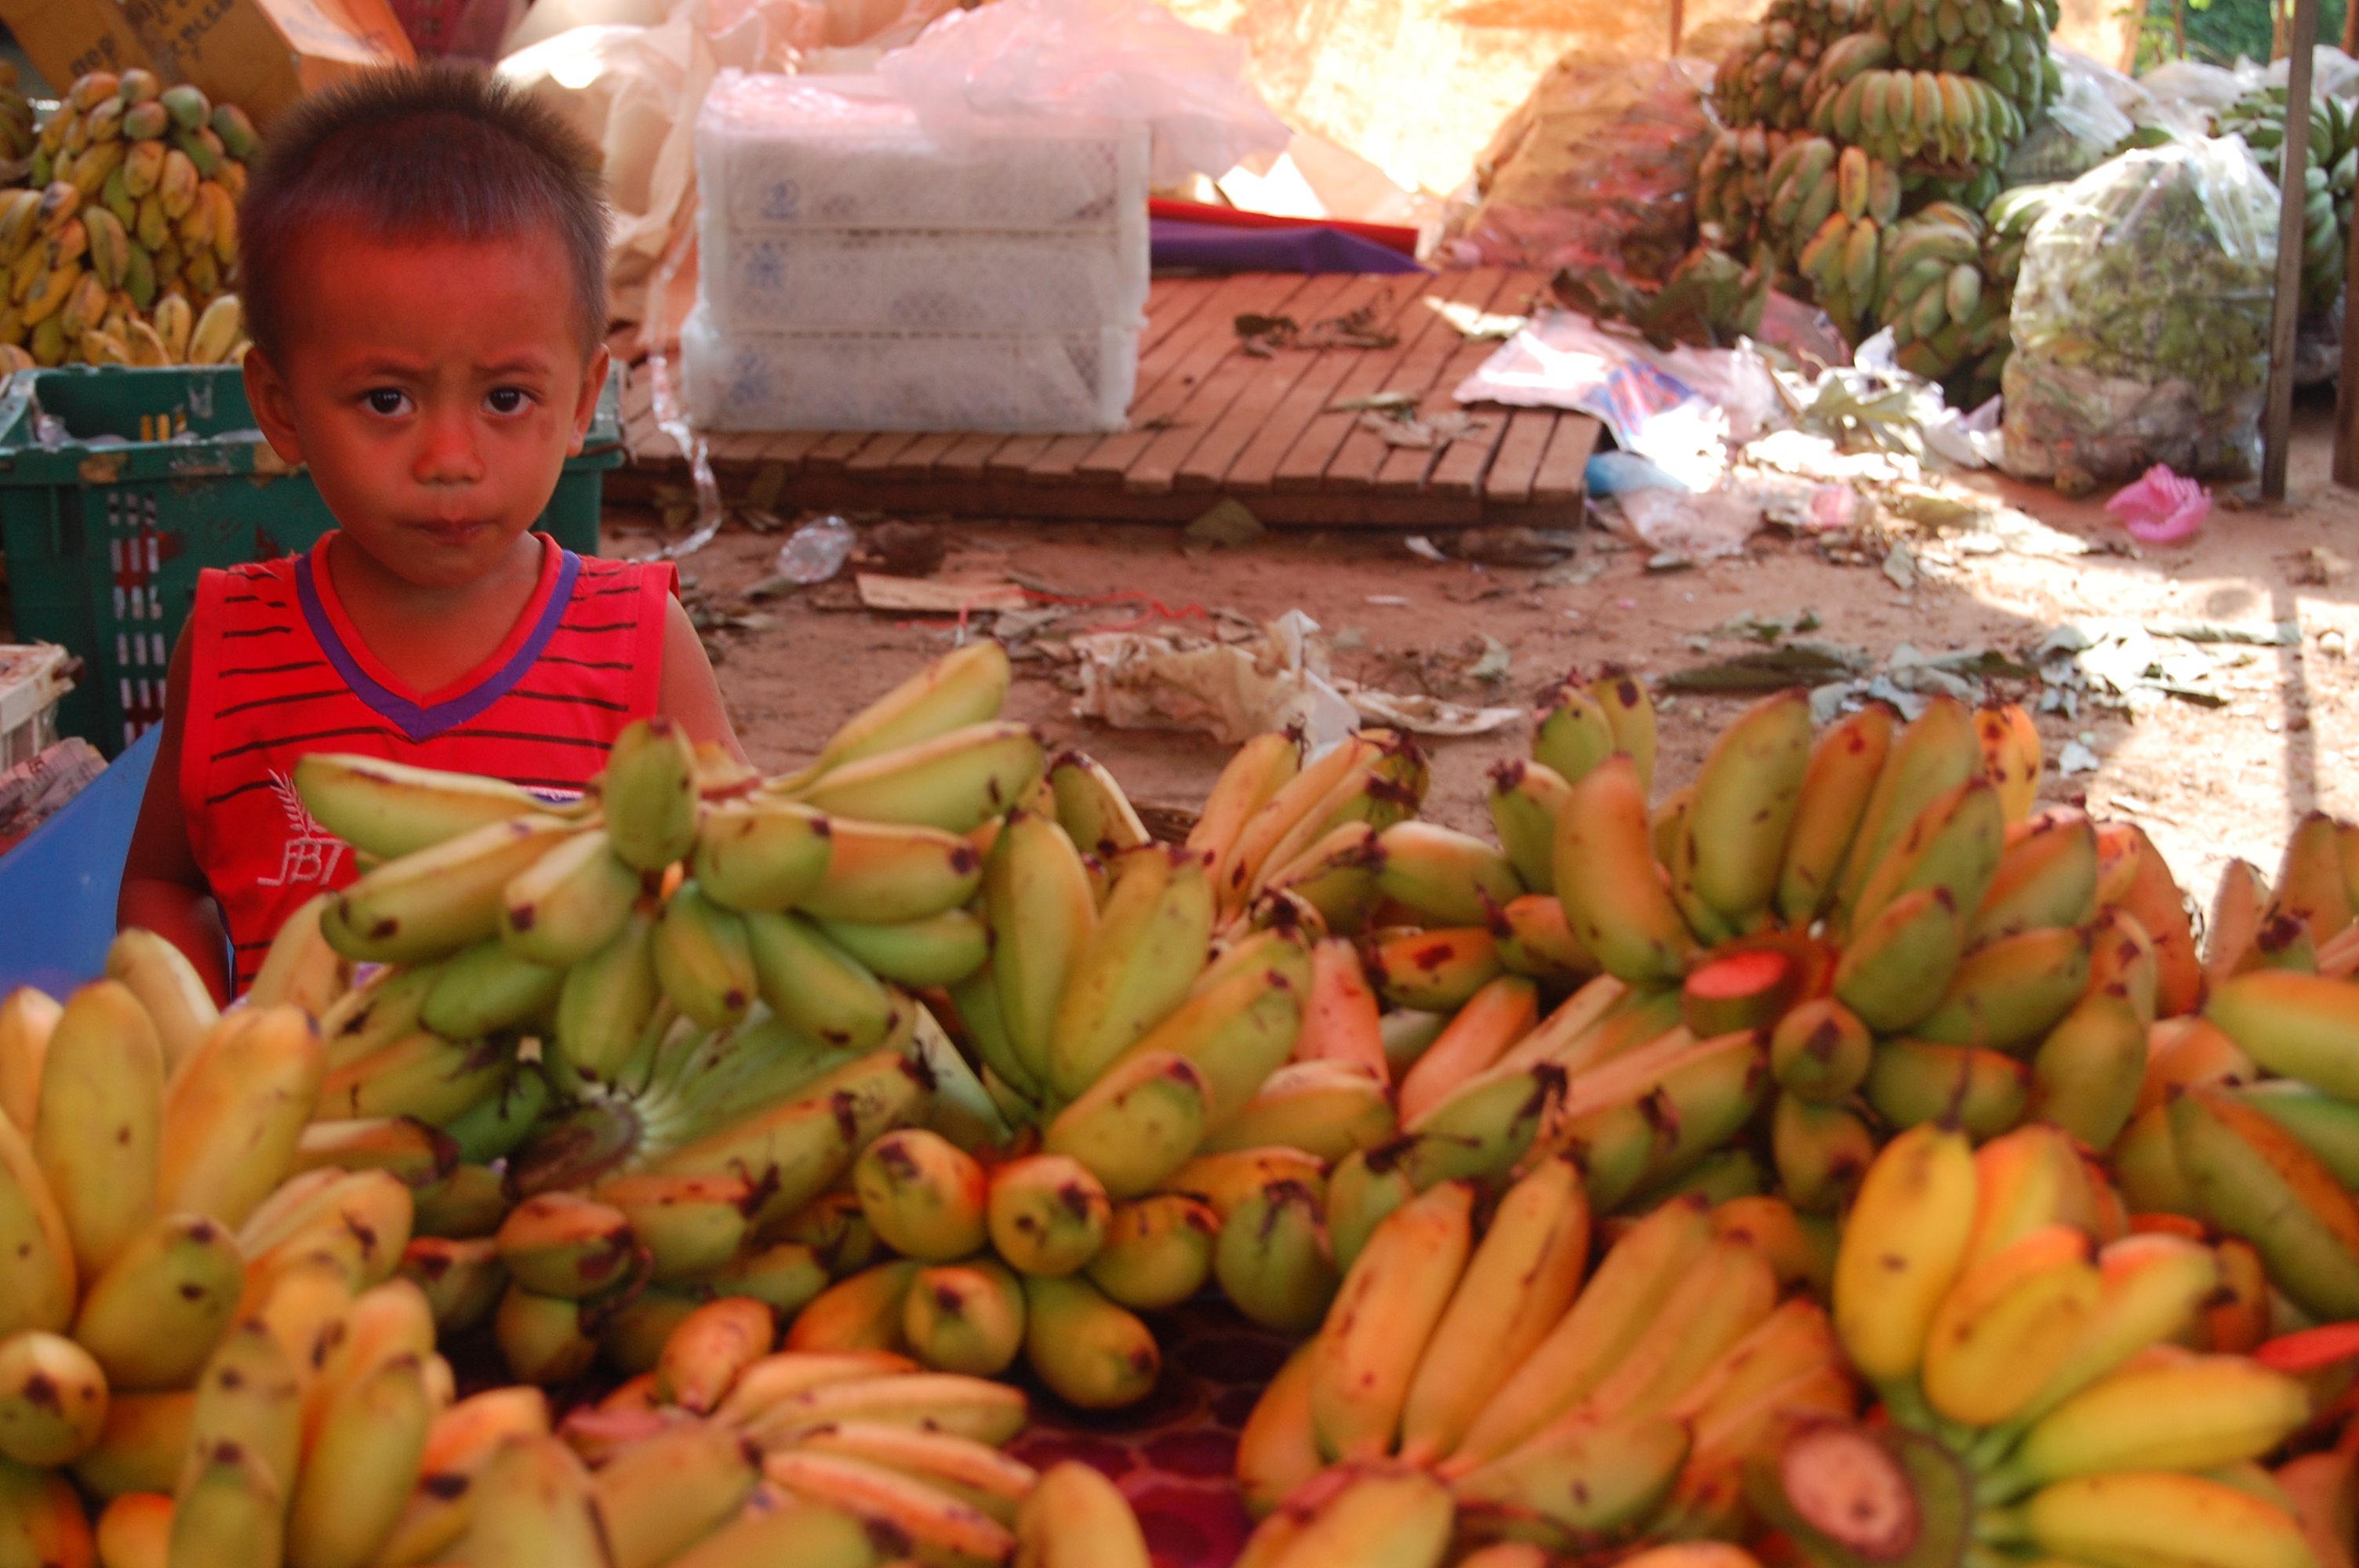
column 2082, row 126
column 974, row 72
column 874, row 381
column 782, row 152
column 2141, row 320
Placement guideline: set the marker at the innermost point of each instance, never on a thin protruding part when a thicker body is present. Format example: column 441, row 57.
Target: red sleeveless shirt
column 276, row 670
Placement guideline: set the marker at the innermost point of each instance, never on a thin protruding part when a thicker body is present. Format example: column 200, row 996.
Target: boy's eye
column 505, row 400
column 387, row 401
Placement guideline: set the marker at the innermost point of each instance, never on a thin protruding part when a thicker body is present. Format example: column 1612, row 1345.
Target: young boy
column 424, row 255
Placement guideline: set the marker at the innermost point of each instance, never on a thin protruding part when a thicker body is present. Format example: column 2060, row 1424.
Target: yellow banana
column 965, row 1317
column 392, row 809
column 2176, row 1413
column 569, row 903
column 534, row 1504
column 154, row 1314
column 885, row 873
column 1953, row 844
column 1258, row 769
column 1453, row 878
column 1837, row 785
column 2010, row 991
column 1520, row 1279
column 965, row 686
column 1572, row 733
column 1745, row 806
column 1629, row 710
column 1592, row 1477
column 165, row 984
column 1525, row 800
column 1092, row 808
column 229, row 1509
column 27, row 1018
column 438, row 899
column 1383, row 1316
column 923, row 1514
column 1605, row 874
column 2139, row 1519
column 1326, row 1108
column 806, row 1534
column 1272, row 1258
column 1047, row 1214
column 2011, row 756
column 2086, row 1075
column 135, row 1532
column 1136, row 968
column 705, row 957
column 1933, row 756
column 360, row 1468
column 2047, row 876
column 663, row 1494
column 1075, row 1519
column 761, row 853
column 143, row 1447
column 52, row 1400
column 2008, row 1325
column 808, row 981
column 1902, row 1250
column 924, row 1196
column 97, row 1127
column 301, row 969
column 1157, row 1252
column 710, row 1348
column 954, row 781
column 1137, row 1123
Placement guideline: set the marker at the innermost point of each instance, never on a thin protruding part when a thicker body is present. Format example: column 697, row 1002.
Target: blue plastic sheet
column 1217, row 247
column 58, row 887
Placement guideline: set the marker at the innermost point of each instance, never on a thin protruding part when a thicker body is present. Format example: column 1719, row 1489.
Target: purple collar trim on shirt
column 421, row 723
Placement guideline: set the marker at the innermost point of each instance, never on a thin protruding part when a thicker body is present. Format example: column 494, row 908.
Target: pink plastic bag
column 2161, row 508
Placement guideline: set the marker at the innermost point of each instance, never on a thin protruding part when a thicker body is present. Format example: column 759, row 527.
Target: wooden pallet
column 1208, row 421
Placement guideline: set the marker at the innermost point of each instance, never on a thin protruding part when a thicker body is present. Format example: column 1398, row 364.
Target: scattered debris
column 2160, row 507
column 1263, row 336
column 1390, row 601
column 2319, row 566
column 1494, row 664
column 1515, row 546
column 2076, row 758
column 939, row 596
column 1228, row 525
column 1424, row 549
column 907, row 549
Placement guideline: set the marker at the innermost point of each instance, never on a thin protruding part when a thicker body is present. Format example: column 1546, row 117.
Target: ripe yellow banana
column 1525, row 800
column 2011, row 990
column 1592, row 1477
column 809, row 982
column 1520, row 1279
column 1954, row 844
column 165, row 984
column 1136, row 966
column 705, row 957
column 52, row 1400
column 2176, row 1413
column 955, row 780
column 391, row 809
column 961, row 687
column 435, row 901
column 534, row 1504
column 924, row 1196
column 1257, row 770
column 360, row 1469
column 928, row 1517
column 1326, row 1108
column 1745, row 806
column 569, row 903
column 1048, row 1214
column 229, row 1509
column 1383, row 1316
column 1075, row 1519
column 2148, row 1516
column 99, row 1120
column 154, row 1314
column 660, row 1495
column 1493, row 1020
column 301, row 969
column 1572, row 733
column 2087, row 1073
column 886, row 873
column 760, row 853
column 1235, row 1033
column 965, row 1317
column 2047, row 876
column 1933, row 756
column 2008, row 1325
column 1837, row 785
column 1272, row 1258
column 1453, row 878
column 1041, row 913
column 1902, row 1250
column 1157, row 1252
column 27, row 1018
column 1605, row 874
column 1137, row 1123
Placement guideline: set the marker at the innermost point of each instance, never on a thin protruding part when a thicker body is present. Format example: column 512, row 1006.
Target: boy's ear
column 585, row 404
column 273, row 406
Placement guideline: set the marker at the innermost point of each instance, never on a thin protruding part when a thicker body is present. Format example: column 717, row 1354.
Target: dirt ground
column 2207, row 783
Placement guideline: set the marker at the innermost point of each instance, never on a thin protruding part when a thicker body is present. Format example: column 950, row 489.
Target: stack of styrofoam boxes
column 858, row 274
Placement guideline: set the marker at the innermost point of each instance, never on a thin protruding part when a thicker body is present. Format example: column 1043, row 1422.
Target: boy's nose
column 447, row 453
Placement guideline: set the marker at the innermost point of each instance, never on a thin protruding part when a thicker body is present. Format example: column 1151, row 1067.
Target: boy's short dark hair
column 433, row 151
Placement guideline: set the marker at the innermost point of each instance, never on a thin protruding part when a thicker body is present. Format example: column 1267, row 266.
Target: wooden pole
column 2346, row 384
column 1679, row 25
column 2277, row 422
column 2350, row 28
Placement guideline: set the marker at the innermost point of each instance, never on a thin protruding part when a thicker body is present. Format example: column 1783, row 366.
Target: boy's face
column 435, row 387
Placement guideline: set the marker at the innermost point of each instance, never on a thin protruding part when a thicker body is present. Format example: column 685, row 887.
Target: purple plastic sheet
column 1217, row 247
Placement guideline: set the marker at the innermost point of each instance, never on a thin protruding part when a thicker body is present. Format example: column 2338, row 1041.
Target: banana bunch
column 1763, row 82
column 1732, row 188
column 1944, row 311
column 2330, row 171
column 201, row 1323
column 19, row 124
column 730, row 1451
column 2008, row 218
column 1490, row 1378
column 125, row 248
column 2004, row 42
column 2038, row 1406
column 1939, row 117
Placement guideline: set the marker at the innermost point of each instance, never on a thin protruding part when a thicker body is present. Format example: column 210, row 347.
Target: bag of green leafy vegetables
column 2141, row 319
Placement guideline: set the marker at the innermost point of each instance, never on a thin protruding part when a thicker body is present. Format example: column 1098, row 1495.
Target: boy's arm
column 690, row 696
column 163, row 889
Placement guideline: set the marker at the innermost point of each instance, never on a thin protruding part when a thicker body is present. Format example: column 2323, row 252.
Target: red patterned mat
column 1174, row 1455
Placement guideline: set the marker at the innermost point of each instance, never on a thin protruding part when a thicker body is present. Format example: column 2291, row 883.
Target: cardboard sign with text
column 260, row 55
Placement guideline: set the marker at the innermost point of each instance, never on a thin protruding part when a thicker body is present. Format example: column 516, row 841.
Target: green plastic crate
column 103, row 543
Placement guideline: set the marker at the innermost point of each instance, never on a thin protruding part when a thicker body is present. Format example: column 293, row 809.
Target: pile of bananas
column 2039, row 1402
column 1948, row 320
column 199, row 1323
column 2330, row 171
column 124, row 249
column 1480, row 1373
column 730, row 1453
column 1840, row 118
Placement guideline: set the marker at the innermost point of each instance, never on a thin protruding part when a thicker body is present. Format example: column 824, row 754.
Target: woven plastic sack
column 2141, row 320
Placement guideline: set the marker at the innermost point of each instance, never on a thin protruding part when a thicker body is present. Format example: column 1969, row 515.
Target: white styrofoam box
column 924, row 280
column 839, row 152
column 1031, row 383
